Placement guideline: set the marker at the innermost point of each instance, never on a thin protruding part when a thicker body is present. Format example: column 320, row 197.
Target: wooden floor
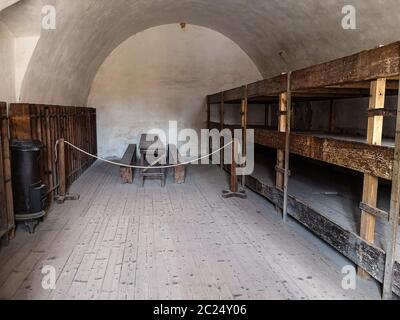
column 179, row 242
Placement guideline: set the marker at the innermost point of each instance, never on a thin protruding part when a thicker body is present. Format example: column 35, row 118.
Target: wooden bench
column 129, row 158
column 180, row 174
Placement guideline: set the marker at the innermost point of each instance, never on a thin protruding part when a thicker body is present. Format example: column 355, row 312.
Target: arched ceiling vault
column 278, row 35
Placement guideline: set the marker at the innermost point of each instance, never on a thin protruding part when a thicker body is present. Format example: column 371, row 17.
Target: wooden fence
column 47, row 124
column 7, row 224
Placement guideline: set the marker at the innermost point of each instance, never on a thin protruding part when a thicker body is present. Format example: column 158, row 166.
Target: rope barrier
column 137, row 167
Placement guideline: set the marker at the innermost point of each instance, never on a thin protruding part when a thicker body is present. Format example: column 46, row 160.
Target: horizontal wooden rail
column 346, row 77
column 374, row 160
column 383, row 62
column 358, row 156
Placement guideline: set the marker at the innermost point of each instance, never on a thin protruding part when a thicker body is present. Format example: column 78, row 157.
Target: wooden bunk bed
column 370, row 74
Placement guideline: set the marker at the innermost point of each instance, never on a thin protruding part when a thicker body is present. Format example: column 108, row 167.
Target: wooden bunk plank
column 233, row 95
column 268, row 87
column 214, row 98
column 360, row 252
column 383, row 62
column 374, row 160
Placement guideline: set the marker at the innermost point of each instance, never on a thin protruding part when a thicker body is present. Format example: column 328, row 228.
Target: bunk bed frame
column 373, row 73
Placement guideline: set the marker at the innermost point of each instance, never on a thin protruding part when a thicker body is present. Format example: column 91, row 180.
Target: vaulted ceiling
column 278, row 35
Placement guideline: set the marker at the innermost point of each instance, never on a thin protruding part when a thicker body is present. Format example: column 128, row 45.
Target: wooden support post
column 281, row 153
column 62, row 173
column 244, row 124
column 208, row 114
column 266, row 111
column 221, row 127
column 370, row 189
column 309, row 116
column 5, row 136
column 287, row 147
column 332, row 117
column 234, row 187
column 394, row 215
column 234, row 179
column 61, row 168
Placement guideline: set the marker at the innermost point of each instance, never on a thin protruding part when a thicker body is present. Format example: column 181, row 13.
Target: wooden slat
column 268, row 87
column 214, row 98
column 3, row 203
column 383, row 62
column 233, row 95
column 374, row 211
column 49, row 123
column 361, row 157
column 390, row 265
column 5, row 172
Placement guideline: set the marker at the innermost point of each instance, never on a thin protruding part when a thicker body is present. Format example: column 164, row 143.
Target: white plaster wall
column 7, row 74
column 162, row 74
column 24, row 48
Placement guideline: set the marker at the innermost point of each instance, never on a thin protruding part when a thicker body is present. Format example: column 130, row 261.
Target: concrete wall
column 163, row 74
column 278, row 35
column 7, row 61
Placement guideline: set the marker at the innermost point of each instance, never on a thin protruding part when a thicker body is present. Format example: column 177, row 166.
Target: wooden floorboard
column 179, row 242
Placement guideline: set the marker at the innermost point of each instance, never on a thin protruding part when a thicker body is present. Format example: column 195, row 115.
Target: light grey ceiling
column 278, row 35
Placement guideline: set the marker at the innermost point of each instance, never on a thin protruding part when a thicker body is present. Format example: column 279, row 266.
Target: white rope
column 139, row 167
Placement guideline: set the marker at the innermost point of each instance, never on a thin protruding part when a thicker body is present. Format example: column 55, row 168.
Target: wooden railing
column 7, row 225
column 48, row 124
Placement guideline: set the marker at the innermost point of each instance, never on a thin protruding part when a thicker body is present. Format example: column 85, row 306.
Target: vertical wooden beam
column 61, row 168
column 3, row 206
column 287, row 146
column 266, row 112
column 281, row 153
column 49, row 148
column 234, row 178
column 332, row 116
column 7, row 172
column 208, row 114
column 221, row 127
column 370, row 189
column 244, row 124
column 309, row 116
column 394, row 215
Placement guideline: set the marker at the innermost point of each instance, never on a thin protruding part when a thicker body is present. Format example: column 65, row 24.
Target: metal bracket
column 282, row 170
column 383, row 112
column 68, row 197
column 229, row 194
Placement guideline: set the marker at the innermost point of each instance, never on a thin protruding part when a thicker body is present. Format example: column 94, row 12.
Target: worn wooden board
column 7, row 206
column 127, row 174
column 180, row 174
column 359, row 251
column 383, row 62
column 374, row 160
column 268, row 87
